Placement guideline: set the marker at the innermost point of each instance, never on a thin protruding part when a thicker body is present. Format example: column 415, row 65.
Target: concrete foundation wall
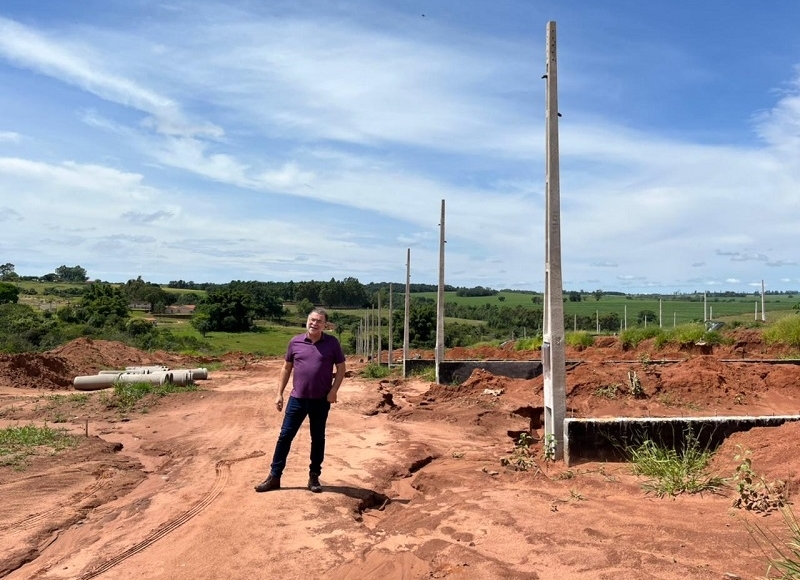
column 458, row 371
column 606, row 439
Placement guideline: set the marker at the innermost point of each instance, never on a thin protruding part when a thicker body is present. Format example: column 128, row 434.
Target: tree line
column 102, row 310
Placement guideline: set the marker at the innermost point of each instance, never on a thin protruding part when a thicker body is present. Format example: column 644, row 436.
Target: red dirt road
column 413, row 482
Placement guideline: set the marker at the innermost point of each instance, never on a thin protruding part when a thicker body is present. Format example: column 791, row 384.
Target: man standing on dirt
column 312, row 356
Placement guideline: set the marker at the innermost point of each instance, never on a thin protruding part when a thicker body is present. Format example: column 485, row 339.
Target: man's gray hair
column 321, row 312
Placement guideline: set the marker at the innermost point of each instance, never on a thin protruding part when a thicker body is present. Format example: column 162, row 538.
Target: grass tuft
column 632, row 337
column 126, row 395
column 783, row 554
column 376, row 371
column 784, row 331
column 673, row 472
column 531, row 343
column 580, row 339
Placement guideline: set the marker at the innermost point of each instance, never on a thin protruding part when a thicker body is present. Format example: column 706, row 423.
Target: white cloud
column 79, row 64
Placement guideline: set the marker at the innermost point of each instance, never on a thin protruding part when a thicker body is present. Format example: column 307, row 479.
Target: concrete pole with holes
column 553, row 357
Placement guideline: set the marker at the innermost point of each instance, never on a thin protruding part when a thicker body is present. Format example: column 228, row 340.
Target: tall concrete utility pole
column 407, row 313
column 389, row 359
column 440, row 299
column 763, row 312
column 553, row 357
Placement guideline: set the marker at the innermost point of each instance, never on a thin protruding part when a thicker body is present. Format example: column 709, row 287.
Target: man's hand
column 332, row 396
column 279, row 402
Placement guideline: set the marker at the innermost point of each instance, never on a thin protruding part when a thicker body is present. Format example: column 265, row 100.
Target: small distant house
column 180, row 310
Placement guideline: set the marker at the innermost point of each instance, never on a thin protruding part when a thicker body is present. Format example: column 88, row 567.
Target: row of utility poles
column 369, row 335
column 553, row 361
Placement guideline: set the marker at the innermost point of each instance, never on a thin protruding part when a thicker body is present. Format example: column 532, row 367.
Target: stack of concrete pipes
column 154, row 375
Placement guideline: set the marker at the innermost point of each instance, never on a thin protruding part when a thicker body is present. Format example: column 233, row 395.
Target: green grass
column 784, row 331
column 632, row 337
column 534, row 343
column 270, row 341
column 783, row 554
column 18, row 443
column 675, row 309
column 426, row 374
column 673, row 472
column 126, row 395
column 579, row 339
column 376, row 371
column 686, row 334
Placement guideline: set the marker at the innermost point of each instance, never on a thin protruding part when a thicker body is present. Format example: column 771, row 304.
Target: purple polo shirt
column 313, row 365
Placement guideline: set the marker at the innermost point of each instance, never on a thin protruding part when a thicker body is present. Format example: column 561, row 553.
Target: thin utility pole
column 371, row 332
column 407, row 312
column 379, row 327
column 763, row 312
column 440, row 299
column 391, row 313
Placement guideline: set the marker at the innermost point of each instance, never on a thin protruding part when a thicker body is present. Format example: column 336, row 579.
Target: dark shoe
column 313, row 483
column 269, row 484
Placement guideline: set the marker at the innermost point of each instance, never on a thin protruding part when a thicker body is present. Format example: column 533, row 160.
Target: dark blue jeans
column 296, row 411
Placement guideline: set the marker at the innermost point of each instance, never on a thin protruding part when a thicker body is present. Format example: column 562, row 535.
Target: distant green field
column 271, row 341
column 40, row 286
column 200, row 293
column 673, row 309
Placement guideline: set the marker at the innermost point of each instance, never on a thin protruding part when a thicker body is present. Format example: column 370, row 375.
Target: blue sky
column 284, row 140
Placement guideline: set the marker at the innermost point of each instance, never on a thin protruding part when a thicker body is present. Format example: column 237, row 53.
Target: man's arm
column 286, row 371
column 337, row 382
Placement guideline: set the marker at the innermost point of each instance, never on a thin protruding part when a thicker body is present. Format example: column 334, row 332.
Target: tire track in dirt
column 34, row 520
column 222, row 469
